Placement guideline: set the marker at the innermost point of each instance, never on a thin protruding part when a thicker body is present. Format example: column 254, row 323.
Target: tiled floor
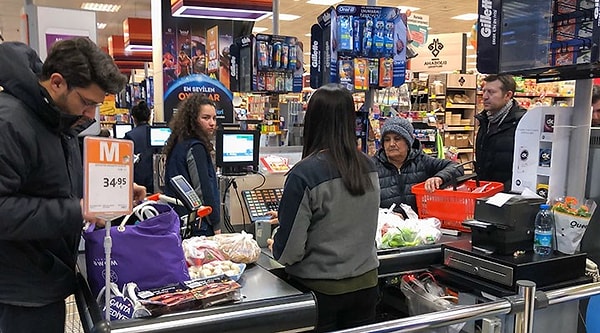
column 72, row 323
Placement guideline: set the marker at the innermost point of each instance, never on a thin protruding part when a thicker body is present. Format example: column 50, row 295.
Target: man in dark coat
column 42, row 110
column 495, row 143
column 401, row 164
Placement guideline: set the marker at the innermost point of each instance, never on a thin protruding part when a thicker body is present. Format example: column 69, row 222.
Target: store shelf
column 460, row 106
column 459, row 128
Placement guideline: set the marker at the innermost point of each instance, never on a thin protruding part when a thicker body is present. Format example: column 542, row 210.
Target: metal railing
column 508, row 305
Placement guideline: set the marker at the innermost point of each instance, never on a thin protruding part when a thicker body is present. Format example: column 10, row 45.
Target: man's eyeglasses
column 87, row 103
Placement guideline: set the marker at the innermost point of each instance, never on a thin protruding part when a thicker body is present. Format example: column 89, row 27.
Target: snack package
column 190, row 295
column 238, row 247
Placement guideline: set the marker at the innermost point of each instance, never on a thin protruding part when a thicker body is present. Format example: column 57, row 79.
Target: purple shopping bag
column 148, row 252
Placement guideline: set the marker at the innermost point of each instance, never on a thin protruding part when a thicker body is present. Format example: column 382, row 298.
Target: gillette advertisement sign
column 488, row 36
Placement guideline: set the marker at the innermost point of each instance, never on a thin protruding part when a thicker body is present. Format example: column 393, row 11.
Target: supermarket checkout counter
column 268, row 304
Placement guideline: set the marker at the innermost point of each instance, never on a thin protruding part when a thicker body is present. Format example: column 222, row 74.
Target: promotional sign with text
column 108, row 176
column 441, row 53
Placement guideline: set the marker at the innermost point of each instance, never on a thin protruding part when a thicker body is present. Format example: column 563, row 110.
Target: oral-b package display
column 376, row 35
column 266, row 63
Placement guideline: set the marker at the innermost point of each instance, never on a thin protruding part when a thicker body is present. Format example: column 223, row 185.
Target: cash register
column 501, row 251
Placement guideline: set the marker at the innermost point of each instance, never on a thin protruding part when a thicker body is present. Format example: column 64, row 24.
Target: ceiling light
column 324, row 2
column 258, row 30
column 470, row 47
column 307, row 35
column 404, row 9
column 473, row 63
column 100, row 25
column 472, row 56
column 466, row 17
column 206, row 9
column 100, row 7
column 288, row 17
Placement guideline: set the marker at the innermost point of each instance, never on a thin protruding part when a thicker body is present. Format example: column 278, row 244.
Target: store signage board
column 441, row 53
column 108, row 176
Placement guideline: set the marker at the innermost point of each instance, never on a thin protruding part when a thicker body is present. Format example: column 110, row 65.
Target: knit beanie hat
column 401, row 126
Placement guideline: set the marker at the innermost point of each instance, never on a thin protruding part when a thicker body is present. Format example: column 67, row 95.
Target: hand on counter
column 270, row 242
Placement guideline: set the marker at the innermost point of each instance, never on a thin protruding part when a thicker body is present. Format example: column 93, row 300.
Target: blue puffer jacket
column 396, row 183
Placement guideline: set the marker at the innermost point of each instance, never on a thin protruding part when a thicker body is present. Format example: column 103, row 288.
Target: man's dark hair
column 82, row 63
column 141, row 112
column 595, row 93
column 508, row 82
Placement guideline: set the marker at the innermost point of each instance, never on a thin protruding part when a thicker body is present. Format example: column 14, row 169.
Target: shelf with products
column 530, row 94
column 453, row 101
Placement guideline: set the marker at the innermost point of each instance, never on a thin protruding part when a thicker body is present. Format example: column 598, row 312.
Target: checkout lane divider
column 464, row 313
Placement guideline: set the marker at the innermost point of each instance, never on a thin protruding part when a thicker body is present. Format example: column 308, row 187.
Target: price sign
column 108, row 178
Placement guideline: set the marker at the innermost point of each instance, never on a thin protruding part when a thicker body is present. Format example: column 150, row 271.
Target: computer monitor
column 237, row 151
column 158, row 136
column 119, row 130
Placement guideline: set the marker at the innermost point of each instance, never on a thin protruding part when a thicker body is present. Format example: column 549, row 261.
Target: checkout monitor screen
column 158, row 136
column 119, row 130
column 237, row 148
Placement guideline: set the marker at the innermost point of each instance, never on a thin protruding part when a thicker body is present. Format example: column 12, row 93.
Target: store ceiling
column 440, row 13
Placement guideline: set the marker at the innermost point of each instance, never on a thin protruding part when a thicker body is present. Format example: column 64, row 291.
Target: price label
column 108, row 179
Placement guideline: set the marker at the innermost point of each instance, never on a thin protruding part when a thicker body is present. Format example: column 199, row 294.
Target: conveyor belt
column 269, row 304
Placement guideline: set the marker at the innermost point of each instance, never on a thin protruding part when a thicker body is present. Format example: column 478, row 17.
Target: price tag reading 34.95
column 108, row 181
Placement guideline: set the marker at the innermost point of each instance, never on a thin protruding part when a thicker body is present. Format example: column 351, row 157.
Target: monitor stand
column 234, row 171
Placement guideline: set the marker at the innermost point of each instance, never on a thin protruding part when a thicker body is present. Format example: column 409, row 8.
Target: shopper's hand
column 270, row 242
column 433, row 184
column 273, row 215
column 91, row 219
column 139, row 192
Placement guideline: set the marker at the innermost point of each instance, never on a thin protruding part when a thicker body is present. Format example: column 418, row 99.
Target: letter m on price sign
column 108, row 176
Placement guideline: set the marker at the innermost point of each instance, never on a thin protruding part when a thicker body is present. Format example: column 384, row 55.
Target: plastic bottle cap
column 544, row 206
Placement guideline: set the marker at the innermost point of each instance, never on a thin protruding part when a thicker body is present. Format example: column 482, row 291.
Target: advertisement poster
column 212, row 43
column 418, row 27
column 55, row 35
column 192, row 46
column 200, row 83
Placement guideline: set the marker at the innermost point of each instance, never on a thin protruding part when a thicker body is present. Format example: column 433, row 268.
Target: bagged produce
column 238, row 247
column 200, row 250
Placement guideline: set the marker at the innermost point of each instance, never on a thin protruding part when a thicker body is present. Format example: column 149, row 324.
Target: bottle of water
column 544, row 231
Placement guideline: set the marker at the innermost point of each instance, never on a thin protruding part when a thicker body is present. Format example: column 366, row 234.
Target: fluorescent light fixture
column 138, row 48
column 100, row 25
column 100, row 7
column 258, row 30
column 306, row 53
column 472, row 56
column 466, row 17
column 470, row 47
column 404, row 9
column 308, row 34
column 473, row 63
column 324, row 2
column 288, row 17
column 197, row 9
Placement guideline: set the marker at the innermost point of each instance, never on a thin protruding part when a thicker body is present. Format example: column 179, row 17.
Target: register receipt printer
column 506, row 229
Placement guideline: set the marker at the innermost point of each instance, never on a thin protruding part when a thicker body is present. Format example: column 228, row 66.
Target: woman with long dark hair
column 328, row 215
column 189, row 150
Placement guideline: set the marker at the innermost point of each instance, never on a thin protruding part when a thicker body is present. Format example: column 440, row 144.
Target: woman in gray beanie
column 401, row 164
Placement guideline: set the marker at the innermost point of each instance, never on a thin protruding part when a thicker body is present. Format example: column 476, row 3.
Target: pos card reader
column 186, row 193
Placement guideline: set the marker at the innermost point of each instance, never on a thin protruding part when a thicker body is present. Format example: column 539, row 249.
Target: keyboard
column 259, row 202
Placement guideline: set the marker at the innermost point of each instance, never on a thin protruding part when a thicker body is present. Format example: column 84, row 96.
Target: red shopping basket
column 450, row 206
